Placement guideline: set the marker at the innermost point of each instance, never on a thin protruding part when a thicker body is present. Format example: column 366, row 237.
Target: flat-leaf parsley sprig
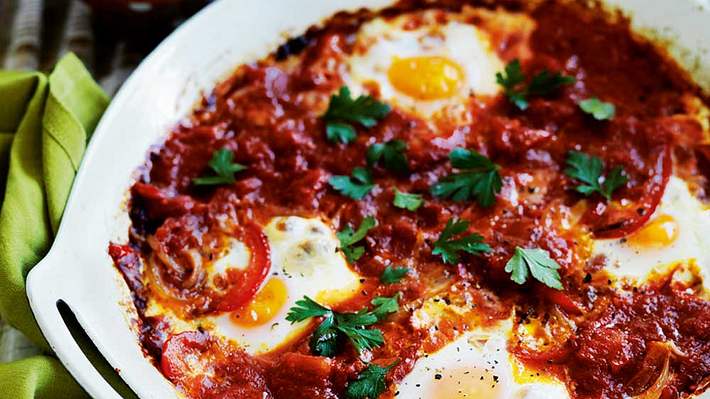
column 599, row 109
column 408, row 201
column 356, row 186
column 224, row 168
column 349, row 237
column 478, row 178
column 370, row 383
column 513, row 81
column 336, row 325
column 392, row 154
column 344, row 110
column 588, row 170
column 449, row 247
column 535, row 261
column 392, row 274
column 385, row 305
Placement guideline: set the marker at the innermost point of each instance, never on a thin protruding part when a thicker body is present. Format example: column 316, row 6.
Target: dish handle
column 44, row 294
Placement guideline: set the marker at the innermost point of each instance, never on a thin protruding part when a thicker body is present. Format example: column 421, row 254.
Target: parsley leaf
column 393, row 274
column 223, row 166
column 410, row 202
column 343, row 111
column 543, row 83
column 324, row 341
column 600, row 110
column 305, row 309
column 336, row 131
column 370, row 383
column 479, row 178
column 588, row 169
column 385, row 305
column 348, row 237
column 325, row 338
column 355, row 187
column 615, row 179
column 361, row 338
column 546, row 82
column 360, row 318
column 448, row 247
column 534, row 261
column 392, row 154
column 510, row 79
column 585, row 168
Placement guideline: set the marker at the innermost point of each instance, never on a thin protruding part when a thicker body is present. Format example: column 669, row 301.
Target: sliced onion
column 198, row 272
column 656, row 361
column 167, row 260
column 159, row 260
column 556, row 333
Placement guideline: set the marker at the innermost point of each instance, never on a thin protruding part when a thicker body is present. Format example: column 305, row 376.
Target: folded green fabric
column 37, row 377
column 45, row 124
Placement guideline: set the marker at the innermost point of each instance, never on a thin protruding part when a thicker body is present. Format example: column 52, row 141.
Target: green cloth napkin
column 45, row 124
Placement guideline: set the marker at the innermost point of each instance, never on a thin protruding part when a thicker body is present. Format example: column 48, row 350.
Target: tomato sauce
column 269, row 115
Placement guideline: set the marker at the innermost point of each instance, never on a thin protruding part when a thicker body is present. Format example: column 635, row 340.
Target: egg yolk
column 523, row 375
column 660, row 232
column 265, row 305
column 426, row 77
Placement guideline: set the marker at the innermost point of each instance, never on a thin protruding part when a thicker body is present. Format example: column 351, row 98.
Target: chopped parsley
column 600, row 110
column 335, row 325
column 305, row 309
column 479, row 178
column 385, row 305
column 448, row 247
column 356, row 186
column 343, row 111
column 511, row 78
column 588, row 170
column 224, row 168
column 324, row 341
column 534, row 261
column 348, row 238
column 410, row 202
column 370, row 383
column 392, row 274
column 392, row 154
column 513, row 81
column 547, row 82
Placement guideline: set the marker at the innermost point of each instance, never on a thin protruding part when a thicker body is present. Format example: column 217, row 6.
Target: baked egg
column 428, row 69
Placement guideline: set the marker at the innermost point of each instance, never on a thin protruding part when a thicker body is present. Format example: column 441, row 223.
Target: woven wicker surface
column 34, row 34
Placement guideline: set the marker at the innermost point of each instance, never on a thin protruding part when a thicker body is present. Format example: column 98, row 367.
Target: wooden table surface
column 34, row 34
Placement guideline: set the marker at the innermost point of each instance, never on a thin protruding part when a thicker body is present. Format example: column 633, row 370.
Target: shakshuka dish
column 435, row 200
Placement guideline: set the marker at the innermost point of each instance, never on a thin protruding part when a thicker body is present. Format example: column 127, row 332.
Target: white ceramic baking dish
column 78, row 270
